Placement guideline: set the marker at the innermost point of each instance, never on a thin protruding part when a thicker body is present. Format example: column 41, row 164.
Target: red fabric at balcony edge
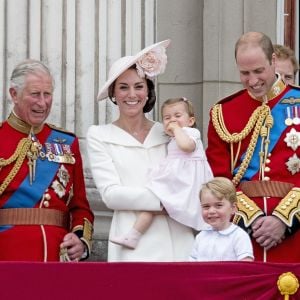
column 213, row 281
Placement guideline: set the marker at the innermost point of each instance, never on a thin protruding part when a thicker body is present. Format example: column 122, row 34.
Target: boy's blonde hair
column 221, row 187
column 188, row 105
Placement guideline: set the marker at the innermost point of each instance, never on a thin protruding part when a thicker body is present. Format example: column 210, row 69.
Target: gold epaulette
column 60, row 129
column 247, row 209
column 288, row 207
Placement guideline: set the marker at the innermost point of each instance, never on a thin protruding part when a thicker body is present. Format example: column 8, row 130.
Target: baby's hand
column 171, row 127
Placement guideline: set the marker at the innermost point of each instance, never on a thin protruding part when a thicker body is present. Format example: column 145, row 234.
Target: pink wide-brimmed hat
column 150, row 62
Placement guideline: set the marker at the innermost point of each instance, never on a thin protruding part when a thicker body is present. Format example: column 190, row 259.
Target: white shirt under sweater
column 230, row 244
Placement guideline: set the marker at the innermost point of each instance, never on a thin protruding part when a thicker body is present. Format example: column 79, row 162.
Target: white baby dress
column 177, row 181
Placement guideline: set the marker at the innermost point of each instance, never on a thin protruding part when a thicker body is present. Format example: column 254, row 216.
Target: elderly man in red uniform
column 44, row 212
column 254, row 139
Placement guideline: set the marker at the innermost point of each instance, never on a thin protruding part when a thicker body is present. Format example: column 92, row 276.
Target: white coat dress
column 119, row 165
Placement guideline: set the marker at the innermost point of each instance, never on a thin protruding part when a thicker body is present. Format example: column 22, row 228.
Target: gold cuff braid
column 87, row 229
column 247, row 209
column 87, row 233
column 288, row 207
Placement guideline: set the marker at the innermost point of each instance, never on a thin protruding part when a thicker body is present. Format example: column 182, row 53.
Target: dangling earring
column 113, row 99
column 147, row 98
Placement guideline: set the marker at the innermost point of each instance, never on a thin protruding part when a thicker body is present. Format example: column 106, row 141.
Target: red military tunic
column 282, row 163
column 58, row 186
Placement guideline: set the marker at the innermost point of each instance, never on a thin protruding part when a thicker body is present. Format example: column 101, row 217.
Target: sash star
column 293, row 164
column 63, row 175
column 292, row 139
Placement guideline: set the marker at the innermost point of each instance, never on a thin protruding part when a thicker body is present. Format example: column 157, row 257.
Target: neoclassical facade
column 80, row 39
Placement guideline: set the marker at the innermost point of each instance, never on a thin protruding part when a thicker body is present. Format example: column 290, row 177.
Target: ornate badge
column 58, row 188
column 292, row 139
column 291, row 100
column 63, row 175
column 293, row 164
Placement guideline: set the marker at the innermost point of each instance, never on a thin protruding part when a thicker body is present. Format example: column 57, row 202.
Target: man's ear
column 274, row 59
column 13, row 93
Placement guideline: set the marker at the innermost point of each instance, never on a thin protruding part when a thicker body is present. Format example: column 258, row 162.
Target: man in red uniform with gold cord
column 254, row 139
column 44, row 212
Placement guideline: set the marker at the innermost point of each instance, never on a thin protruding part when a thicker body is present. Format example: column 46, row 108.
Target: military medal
column 288, row 121
column 60, row 153
column 292, row 139
column 296, row 119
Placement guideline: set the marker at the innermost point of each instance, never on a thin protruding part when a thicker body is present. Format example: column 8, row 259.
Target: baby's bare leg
column 131, row 239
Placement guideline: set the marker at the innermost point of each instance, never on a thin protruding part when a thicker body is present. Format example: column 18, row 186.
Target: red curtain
column 213, row 281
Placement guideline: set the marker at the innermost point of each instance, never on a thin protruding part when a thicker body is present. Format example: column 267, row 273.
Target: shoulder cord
column 18, row 156
column 259, row 119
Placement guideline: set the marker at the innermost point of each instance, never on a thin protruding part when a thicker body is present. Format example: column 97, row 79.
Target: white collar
column 226, row 231
column 113, row 134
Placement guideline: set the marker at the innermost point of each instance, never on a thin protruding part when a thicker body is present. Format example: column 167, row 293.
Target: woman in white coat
column 122, row 152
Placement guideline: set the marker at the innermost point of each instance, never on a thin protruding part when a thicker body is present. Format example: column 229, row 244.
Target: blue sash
column 278, row 113
column 28, row 195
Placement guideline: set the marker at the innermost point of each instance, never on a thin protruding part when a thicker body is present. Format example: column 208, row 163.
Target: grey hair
column 28, row 66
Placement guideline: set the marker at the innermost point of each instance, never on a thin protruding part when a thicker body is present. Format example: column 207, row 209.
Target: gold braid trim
column 22, row 143
column 288, row 207
column 19, row 156
column 256, row 121
column 87, row 235
column 224, row 134
column 247, row 209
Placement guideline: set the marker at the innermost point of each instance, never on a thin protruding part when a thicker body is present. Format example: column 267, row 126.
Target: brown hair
column 151, row 92
column 188, row 105
column 221, row 187
column 284, row 52
column 256, row 39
